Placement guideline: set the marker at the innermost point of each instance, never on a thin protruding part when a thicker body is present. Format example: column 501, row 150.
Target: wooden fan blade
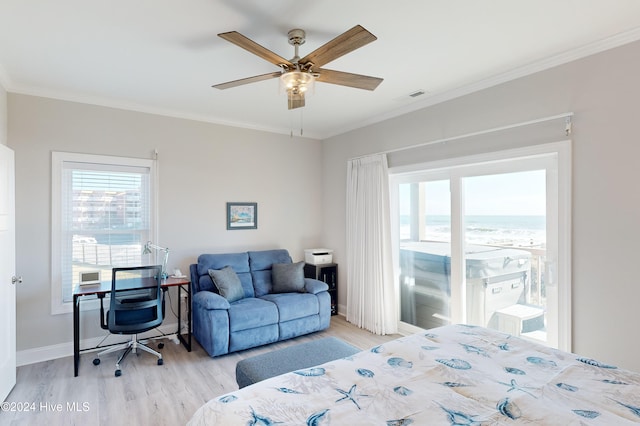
column 242, row 81
column 358, row 81
column 346, row 42
column 253, row 47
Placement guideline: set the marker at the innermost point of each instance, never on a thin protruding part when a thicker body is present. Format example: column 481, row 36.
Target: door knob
column 15, row 280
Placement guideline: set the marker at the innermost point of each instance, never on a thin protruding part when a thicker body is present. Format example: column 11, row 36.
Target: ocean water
column 517, row 231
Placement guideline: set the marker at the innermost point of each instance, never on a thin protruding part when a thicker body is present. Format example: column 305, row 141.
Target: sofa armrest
column 314, row 286
column 210, row 300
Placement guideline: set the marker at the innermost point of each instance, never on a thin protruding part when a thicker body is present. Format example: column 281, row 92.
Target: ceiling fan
column 299, row 74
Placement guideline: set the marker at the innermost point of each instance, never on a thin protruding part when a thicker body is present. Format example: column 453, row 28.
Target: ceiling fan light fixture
column 297, row 83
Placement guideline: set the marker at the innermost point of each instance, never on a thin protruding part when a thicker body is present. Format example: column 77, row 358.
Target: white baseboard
column 47, row 353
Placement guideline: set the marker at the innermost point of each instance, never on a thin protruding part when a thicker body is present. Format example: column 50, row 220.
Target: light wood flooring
column 146, row 393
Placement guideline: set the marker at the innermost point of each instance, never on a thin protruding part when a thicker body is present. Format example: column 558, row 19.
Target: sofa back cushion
column 260, row 263
column 239, row 262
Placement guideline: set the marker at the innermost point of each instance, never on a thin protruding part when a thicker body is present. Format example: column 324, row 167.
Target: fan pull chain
column 291, row 124
column 301, row 123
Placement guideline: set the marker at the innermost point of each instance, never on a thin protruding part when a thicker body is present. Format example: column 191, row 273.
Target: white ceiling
column 163, row 56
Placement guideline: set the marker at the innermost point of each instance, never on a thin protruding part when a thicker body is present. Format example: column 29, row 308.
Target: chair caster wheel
column 96, row 361
column 160, row 361
column 160, row 345
column 118, row 373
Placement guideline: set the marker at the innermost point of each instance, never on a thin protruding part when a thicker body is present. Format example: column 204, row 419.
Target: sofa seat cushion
column 294, row 305
column 251, row 312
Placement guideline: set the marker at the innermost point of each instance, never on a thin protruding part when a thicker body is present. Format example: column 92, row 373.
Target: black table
column 104, row 288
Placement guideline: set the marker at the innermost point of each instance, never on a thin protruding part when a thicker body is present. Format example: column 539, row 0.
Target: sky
column 509, row 194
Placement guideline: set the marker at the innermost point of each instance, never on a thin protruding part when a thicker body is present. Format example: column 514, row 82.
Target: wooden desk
column 104, row 288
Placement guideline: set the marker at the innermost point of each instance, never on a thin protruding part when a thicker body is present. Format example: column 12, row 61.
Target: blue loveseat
column 262, row 313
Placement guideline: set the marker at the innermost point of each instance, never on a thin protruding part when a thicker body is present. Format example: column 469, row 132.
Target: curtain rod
column 566, row 115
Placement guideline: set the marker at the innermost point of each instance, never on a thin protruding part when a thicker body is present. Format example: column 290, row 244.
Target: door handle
column 16, row 280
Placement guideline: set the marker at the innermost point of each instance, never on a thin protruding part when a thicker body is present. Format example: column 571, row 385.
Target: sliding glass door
column 478, row 243
column 425, row 222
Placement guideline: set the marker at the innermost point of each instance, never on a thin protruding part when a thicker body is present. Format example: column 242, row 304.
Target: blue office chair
column 136, row 305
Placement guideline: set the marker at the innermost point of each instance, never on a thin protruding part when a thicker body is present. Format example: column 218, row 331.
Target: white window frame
column 559, row 269
column 58, row 160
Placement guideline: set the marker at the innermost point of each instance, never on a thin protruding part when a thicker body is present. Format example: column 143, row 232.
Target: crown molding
column 544, row 64
column 147, row 109
column 532, row 68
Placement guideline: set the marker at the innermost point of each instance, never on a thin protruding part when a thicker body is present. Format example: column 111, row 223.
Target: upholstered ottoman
column 285, row 360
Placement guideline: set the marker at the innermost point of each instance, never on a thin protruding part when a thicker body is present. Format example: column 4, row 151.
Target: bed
column 451, row 375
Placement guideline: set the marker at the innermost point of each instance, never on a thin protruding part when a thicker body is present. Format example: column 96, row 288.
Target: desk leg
column 186, row 342
column 76, row 335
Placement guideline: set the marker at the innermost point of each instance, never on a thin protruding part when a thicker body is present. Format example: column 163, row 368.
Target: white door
column 7, row 273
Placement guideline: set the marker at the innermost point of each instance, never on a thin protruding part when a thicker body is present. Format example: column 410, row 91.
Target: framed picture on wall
column 242, row 216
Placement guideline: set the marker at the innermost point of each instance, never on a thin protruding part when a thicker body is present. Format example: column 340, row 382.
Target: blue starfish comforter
column 453, row 375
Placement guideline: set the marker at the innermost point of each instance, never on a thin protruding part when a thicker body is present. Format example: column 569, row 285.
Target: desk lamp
column 147, row 250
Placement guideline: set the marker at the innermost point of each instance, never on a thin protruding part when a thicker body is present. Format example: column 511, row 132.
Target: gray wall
column 3, row 115
column 201, row 167
column 302, row 204
column 603, row 92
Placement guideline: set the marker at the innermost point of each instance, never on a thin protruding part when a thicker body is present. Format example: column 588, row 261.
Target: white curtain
column 371, row 298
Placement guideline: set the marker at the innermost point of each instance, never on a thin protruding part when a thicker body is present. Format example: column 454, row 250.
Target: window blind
column 106, row 219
